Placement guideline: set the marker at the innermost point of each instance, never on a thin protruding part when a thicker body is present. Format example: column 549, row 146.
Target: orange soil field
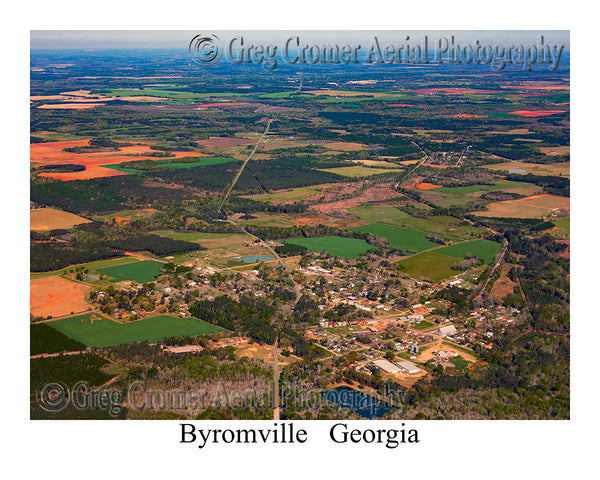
column 435, row 166
column 466, row 115
column 426, row 186
column 536, row 113
column 92, row 171
column 47, row 97
column 44, row 219
column 82, row 93
column 70, row 106
column 57, row 296
column 51, row 154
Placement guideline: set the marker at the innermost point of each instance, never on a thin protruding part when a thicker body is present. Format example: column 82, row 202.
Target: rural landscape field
column 381, row 229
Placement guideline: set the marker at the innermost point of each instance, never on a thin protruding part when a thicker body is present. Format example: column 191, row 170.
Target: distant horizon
column 175, row 39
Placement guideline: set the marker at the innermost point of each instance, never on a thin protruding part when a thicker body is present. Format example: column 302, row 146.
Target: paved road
column 244, row 165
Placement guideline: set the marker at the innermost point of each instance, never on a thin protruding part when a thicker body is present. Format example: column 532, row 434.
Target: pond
column 359, row 402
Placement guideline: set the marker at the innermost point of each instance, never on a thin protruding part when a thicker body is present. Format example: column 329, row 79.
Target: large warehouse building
column 408, row 367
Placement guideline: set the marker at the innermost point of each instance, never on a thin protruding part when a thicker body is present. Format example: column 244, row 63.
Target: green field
column 429, row 265
column 91, row 266
column 291, row 194
column 210, row 240
column 202, row 161
column 337, row 246
column 379, row 213
column 438, row 225
column 398, row 237
column 270, row 219
column 140, row 271
column 483, row 249
column 504, row 185
column 563, row 227
column 104, row 332
column 121, row 169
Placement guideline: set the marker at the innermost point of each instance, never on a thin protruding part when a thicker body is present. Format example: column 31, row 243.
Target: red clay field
column 52, row 153
column 57, row 296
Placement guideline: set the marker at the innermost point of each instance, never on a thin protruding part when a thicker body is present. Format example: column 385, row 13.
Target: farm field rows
column 94, row 330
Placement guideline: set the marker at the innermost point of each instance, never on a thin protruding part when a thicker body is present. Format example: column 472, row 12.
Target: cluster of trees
column 551, row 184
column 101, row 195
column 249, row 315
column 56, row 255
column 63, row 167
column 45, row 339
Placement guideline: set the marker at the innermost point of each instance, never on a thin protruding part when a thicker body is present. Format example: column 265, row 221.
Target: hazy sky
column 87, row 39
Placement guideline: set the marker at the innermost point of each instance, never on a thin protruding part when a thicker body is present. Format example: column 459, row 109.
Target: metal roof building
column 408, row 367
column 386, row 366
column 447, row 330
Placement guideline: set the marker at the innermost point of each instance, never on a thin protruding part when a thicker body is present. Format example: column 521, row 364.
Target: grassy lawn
column 423, row 324
column 337, row 246
column 104, row 332
column 140, row 271
column 485, row 250
column 459, row 362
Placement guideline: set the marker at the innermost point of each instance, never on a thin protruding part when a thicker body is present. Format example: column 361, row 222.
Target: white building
column 386, row 366
column 408, row 367
column 447, row 330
